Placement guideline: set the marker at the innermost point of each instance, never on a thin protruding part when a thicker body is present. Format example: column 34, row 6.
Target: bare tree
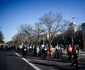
column 25, row 31
column 37, row 32
column 53, row 24
column 71, row 34
column 17, row 39
column 1, row 36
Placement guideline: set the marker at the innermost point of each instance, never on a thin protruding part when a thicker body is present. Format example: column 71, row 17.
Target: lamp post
column 43, row 41
column 72, row 41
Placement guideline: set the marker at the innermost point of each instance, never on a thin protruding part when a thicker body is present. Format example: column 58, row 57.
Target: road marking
column 35, row 67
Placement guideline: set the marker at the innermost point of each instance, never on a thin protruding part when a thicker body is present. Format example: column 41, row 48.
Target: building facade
column 72, row 26
column 83, row 29
column 83, row 37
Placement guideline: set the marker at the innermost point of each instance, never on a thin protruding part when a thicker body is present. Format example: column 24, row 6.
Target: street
column 10, row 60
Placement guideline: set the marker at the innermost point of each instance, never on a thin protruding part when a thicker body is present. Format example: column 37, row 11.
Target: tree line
column 50, row 26
column 1, row 36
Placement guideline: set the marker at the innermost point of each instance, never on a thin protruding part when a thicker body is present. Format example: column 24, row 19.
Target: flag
column 72, row 17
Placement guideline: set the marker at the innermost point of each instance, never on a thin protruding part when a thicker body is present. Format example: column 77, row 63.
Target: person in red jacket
column 50, row 51
column 69, row 50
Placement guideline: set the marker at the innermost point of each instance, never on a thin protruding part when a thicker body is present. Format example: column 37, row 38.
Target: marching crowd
column 72, row 52
column 48, row 50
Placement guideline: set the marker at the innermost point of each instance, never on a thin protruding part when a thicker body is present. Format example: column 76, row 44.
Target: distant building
column 72, row 26
column 83, row 38
column 83, row 29
column 83, row 26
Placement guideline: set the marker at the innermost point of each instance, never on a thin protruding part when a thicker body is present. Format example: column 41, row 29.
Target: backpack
column 69, row 49
column 75, row 50
column 25, row 49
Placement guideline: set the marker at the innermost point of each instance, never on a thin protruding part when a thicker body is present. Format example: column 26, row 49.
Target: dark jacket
column 75, row 50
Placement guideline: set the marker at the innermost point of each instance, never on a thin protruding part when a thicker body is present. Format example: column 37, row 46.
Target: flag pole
column 72, row 36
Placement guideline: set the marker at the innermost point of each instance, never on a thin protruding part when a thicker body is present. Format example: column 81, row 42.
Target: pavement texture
column 55, row 64
column 10, row 61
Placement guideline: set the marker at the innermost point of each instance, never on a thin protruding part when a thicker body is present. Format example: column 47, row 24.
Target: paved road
column 55, row 64
column 10, row 61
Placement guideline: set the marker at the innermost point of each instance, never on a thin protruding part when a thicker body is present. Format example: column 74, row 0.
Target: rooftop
column 83, row 24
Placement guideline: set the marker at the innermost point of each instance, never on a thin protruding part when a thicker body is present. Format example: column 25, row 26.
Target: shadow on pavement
column 55, row 66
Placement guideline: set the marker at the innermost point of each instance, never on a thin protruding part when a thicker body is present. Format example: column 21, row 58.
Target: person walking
column 37, row 51
column 75, row 52
column 69, row 51
column 24, row 50
column 58, row 52
column 56, row 48
column 44, row 51
column 50, row 51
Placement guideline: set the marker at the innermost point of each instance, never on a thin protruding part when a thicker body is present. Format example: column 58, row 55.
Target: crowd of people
column 72, row 52
column 47, row 50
